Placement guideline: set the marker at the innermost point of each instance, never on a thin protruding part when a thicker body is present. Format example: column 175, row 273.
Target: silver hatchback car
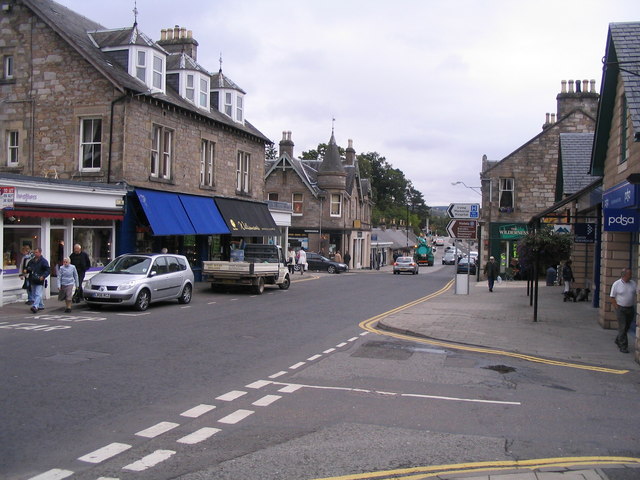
column 139, row 279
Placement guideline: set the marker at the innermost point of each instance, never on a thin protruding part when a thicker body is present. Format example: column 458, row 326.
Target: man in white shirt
column 623, row 299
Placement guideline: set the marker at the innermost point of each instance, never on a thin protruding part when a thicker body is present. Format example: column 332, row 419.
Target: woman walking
column 67, row 282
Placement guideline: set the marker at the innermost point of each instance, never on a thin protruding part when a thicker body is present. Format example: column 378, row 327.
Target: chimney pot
column 183, row 32
column 553, row 118
column 189, row 34
column 564, row 86
column 163, row 34
column 585, row 86
column 176, row 32
column 593, row 86
column 578, row 89
column 571, row 83
column 546, row 122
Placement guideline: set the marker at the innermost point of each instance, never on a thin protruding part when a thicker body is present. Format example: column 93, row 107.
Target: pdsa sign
column 621, row 220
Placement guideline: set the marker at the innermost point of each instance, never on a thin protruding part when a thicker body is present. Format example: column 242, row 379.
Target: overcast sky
column 432, row 85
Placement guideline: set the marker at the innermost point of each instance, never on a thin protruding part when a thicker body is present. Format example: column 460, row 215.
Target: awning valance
column 60, row 213
column 247, row 219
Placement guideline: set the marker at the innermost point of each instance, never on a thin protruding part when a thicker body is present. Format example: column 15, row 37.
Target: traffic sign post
column 464, row 210
column 463, row 229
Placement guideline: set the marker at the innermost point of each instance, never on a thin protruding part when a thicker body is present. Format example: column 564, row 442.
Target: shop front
column 503, row 244
column 54, row 215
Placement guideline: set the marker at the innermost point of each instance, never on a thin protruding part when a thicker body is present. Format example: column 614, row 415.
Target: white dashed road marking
column 340, row 345
column 266, row 400
column 103, row 453
column 236, row 416
column 315, row 357
column 279, row 374
column 259, row 384
column 330, row 350
column 289, row 388
column 199, row 435
column 297, row 365
column 230, row 396
column 55, row 474
column 195, row 412
column 149, row 461
column 157, row 429
column 352, row 339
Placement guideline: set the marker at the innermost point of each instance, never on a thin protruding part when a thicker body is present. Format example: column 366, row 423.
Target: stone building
column 616, row 156
column 331, row 201
column 525, row 182
column 84, row 103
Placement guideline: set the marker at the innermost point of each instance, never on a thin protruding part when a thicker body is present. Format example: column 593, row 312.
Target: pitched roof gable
column 573, row 163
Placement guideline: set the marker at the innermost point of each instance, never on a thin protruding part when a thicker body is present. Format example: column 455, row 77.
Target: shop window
column 13, row 146
column 15, row 240
column 297, row 203
column 242, row 172
column 506, row 194
column 96, row 240
column 336, row 205
column 90, row 144
column 206, row 163
column 161, row 152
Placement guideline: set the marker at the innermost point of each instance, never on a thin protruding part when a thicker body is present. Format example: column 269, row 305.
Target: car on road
column 474, row 256
column 439, row 242
column 140, row 279
column 405, row 264
column 465, row 266
column 449, row 258
column 318, row 262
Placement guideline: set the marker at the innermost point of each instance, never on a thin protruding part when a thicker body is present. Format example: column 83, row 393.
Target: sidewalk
column 503, row 320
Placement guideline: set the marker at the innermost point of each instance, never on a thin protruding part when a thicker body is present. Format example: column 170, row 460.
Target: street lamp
column 475, row 189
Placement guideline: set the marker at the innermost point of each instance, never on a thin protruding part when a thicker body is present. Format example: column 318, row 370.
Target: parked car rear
column 318, row 262
column 405, row 264
column 465, row 266
column 139, row 279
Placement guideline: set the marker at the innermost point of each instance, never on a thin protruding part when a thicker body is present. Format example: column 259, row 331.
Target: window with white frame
column 506, row 193
column 190, row 88
column 242, row 172
column 239, row 108
column 204, row 93
column 297, row 202
column 158, row 72
column 161, row 152
column 13, row 145
column 228, row 104
column 141, row 65
column 90, row 144
column 7, row 67
column 206, row 163
column 336, row 205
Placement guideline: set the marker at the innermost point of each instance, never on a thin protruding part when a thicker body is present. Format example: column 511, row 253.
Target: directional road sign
column 464, row 229
column 464, row 210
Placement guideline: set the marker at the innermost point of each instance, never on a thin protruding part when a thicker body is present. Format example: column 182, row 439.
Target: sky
column 431, row 85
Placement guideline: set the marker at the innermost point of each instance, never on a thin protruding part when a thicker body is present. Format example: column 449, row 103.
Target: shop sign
column 585, row 232
column 512, row 231
column 622, row 195
column 8, row 196
column 620, row 220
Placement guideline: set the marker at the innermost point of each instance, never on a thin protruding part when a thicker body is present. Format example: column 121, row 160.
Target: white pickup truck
column 262, row 265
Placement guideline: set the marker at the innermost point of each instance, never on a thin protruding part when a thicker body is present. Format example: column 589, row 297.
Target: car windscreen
column 132, row 265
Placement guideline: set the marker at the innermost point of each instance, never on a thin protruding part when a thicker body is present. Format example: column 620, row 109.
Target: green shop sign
column 512, row 231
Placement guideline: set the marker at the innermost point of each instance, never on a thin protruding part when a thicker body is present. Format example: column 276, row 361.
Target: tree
column 270, row 152
column 545, row 245
column 320, row 152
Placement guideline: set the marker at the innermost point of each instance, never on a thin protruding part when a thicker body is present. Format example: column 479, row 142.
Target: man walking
column 39, row 270
column 81, row 261
column 491, row 270
column 623, row 299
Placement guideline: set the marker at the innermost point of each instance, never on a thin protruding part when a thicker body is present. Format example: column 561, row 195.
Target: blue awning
column 204, row 215
column 165, row 213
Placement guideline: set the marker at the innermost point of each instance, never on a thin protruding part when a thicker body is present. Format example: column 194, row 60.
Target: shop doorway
column 57, row 251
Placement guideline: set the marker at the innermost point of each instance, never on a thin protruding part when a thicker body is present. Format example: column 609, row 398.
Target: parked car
column 139, row 279
column 465, row 266
column 318, row 262
column 405, row 264
column 449, row 258
column 474, row 256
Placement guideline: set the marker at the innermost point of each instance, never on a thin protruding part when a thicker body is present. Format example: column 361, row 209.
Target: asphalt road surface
column 279, row 386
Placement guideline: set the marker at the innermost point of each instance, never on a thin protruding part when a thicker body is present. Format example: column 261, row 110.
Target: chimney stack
column 577, row 96
column 286, row 144
column 179, row 40
column 350, row 154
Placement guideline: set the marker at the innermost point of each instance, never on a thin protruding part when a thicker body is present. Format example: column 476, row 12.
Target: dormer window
column 158, row 72
column 239, row 108
column 227, row 97
column 204, row 93
column 228, row 104
column 149, row 67
column 190, row 88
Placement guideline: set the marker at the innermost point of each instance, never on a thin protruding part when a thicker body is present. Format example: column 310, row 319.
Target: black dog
column 569, row 295
column 582, row 295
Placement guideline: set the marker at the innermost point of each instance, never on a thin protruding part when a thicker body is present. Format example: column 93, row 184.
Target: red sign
column 464, row 229
column 8, row 196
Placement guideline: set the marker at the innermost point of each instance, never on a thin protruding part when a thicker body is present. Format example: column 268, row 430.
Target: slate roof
column 78, row 31
column 575, row 161
column 182, row 61
column 219, row 80
column 332, row 162
column 397, row 238
column 622, row 58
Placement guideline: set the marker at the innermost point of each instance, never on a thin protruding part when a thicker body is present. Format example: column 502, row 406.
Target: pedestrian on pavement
column 623, row 299
column 82, row 262
column 38, row 269
column 302, row 260
column 291, row 259
column 551, row 276
column 567, row 277
column 68, row 281
column 27, row 255
column 347, row 258
column 491, row 270
column 337, row 257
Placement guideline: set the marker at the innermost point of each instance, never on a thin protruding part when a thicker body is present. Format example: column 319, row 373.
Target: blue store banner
column 622, row 195
column 621, row 220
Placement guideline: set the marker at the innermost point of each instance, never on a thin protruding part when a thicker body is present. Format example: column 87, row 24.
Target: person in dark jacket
column 38, row 269
column 81, row 261
column 567, row 277
column 491, row 270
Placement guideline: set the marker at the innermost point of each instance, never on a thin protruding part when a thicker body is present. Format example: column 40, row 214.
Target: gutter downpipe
column 113, row 103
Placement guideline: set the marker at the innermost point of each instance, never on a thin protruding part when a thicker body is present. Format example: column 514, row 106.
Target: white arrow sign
column 464, row 210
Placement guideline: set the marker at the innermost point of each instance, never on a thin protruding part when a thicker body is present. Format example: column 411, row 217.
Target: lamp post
column 475, row 189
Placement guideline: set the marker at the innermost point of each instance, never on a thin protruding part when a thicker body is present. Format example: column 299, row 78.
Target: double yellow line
column 416, row 473
column 370, row 326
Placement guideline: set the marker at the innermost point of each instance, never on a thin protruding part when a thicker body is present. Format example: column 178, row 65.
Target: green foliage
column 270, row 152
column 319, row 153
column 551, row 248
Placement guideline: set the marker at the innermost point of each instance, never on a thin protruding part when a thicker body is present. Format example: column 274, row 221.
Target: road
column 279, row 386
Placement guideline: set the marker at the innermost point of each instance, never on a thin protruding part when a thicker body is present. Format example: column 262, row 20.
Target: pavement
column 502, row 320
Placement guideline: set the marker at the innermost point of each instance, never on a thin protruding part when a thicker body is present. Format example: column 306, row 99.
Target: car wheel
column 185, row 296
column 286, row 283
column 331, row 269
column 258, row 288
column 142, row 301
column 296, row 268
